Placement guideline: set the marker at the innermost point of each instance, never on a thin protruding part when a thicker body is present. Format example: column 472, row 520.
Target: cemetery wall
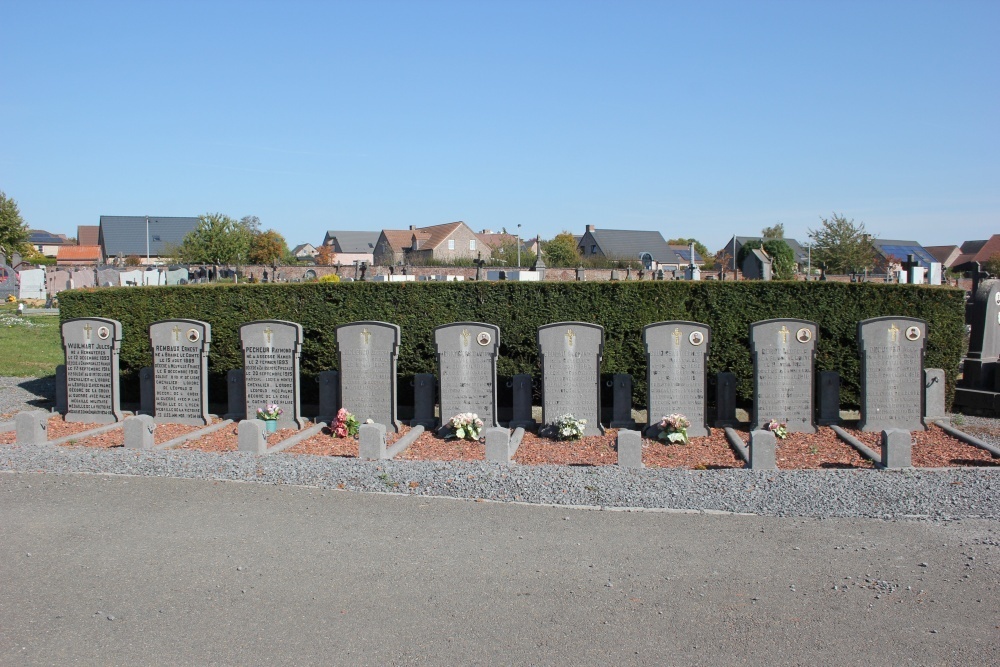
column 622, row 308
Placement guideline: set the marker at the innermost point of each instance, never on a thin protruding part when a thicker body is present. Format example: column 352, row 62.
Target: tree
column 505, row 254
column 776, row 232
column 13, row 231
column 842, row 246
column 699, row 248
column 251, row 222
column 561, row 250
column 782, row 257
column 325, row 256
column 992, row 265
column 267, row 248
column 218, row 239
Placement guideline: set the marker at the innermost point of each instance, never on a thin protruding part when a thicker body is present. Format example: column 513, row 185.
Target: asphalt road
column 120, row 570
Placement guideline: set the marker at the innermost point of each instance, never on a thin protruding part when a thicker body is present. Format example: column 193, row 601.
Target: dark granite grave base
column 977, row 401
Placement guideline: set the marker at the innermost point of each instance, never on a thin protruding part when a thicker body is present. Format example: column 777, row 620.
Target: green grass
column 31, row 347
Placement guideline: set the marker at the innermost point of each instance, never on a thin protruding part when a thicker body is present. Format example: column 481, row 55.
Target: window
column 593, row 250
column 451, row 244
column 472, row 244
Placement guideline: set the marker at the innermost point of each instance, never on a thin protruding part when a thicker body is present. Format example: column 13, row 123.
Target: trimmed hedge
column 622, row 308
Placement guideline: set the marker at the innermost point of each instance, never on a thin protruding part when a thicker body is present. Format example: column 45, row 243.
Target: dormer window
column 472, row 244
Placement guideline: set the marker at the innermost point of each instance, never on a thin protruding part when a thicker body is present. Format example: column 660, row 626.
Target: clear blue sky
column 691, row 118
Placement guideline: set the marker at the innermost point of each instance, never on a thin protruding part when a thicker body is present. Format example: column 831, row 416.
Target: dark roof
column 126, row 234
column 631, row 244
column 976, row 251
column 42, row 237
column 363, row 242
column 87, row 234
column 900, row 249
column 684, row 253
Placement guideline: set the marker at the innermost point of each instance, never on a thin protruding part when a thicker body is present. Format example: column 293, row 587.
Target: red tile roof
column 79, row 253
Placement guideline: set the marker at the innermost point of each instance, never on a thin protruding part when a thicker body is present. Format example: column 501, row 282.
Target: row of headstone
column 570, row 354
column 37, row 283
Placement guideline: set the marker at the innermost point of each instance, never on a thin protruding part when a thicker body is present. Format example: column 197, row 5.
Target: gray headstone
column 61, row 398
column 8, row 281
column 621, row 401
column 57, row 281
column 570, row 354
column 725, row 399
column 108, row 277
column 271, row 352
column 467, row 363
column 32, row 284
column 180, row 370
column 979, row 369
column 147, row 390
column 367, row 352
column 31, row 427
column 676, row 355
column 251, row 436
column 934, row 394
column 897, row 448
column 629, row 449
column 92, row 346
column 236, row 394
column 829, row 398
column 139, row 432
column 762, row 450
column 175, row 276
column 521, row 410
column 371, row 441
column 783, row 353
column 497, row 444
column 892, row 373
column 329, row 385
column 83, row 278
column 424, row 400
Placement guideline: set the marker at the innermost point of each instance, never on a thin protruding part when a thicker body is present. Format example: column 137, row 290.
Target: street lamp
column 147, row 240
column 519, row 245
column 810, row 247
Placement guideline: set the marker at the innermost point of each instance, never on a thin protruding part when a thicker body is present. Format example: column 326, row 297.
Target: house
column 148, row 237
column 304, row 252
column 890, row 254
column 351, row 247
column 757, row 265
column 75, row 255
column 683, row 253
column 496, row 241
column 418, row 245
column 976, row 251
column 626, row 244
column 733, row 246
column 87, row 234
column 45, row 242
column 946, row 254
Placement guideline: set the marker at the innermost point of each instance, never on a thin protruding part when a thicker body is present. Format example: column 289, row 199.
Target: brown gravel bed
column 226, row 439
column 591, row 450
column 116, row 438
column 820, row 450
column 58, row 428
column 702, row 453
column 431, row 447
column 934, row 448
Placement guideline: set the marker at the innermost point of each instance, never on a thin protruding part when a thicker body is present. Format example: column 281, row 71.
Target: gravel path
column 924, row 493
column 17, row 394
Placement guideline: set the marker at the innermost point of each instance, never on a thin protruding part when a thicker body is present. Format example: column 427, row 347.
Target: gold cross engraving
column 570, row 336
column 267, row 336
column 177, row 333
column 465, row 337
column 87, row 329
column 784, row 333
column 677, row 336
column 366, row 336
column 894, row 332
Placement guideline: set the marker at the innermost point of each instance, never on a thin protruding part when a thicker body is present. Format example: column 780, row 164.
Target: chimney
column 412, row 227
column 590, row 228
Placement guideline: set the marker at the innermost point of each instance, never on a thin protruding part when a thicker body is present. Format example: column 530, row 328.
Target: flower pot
column 272, row 425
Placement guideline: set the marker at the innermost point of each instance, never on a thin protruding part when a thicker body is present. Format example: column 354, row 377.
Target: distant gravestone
column 271, row 352
column 521, row 390
column 329, row 401
column 152, row 277
column 892, row 373
column 108, row 278
column 180, row 371
column 83, row 278
column 424, row 400
column 725, row 399
column 467, row 363
column 130, row 277
column 676, row 354
column 367, row 352
column 57, row 281
column 32, row 284
column 829, row 398
column 783, row 353
column 92, row 346
column 8, row 281
column 176, row 275
column 570, row 355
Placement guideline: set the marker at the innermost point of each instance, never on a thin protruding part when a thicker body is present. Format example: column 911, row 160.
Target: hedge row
column 622, row 308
